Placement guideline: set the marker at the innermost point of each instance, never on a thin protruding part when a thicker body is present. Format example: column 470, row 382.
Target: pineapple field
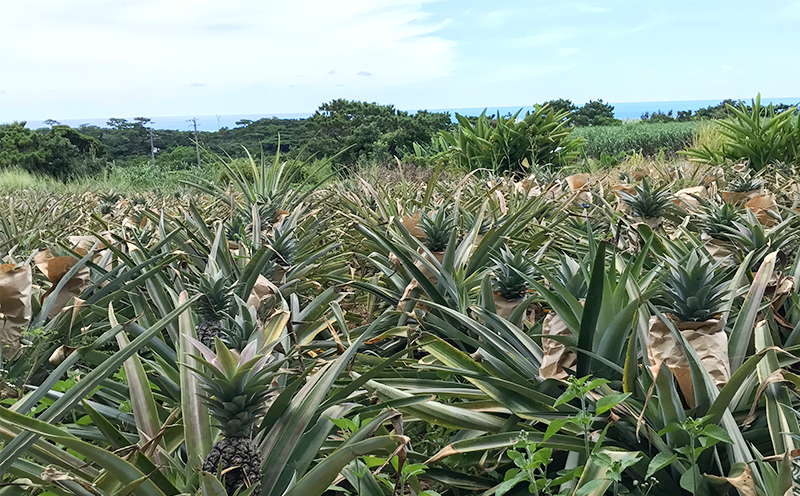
column 515, row 329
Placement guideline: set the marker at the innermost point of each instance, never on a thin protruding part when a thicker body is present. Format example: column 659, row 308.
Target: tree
column 51, row 122
column 561, row 105
column 595, row 113
column 20, row 146
column 355, row 131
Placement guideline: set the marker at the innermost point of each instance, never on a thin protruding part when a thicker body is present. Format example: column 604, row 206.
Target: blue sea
column 624, row 110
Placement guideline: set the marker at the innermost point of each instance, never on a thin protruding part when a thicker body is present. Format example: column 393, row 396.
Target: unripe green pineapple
column 236, row 390
column 214, row 303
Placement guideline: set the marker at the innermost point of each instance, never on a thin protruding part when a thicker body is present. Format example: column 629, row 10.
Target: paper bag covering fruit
column 15, row 306
column 557, row 356
column 579, row 186
column 55, row 268
column 709, row 341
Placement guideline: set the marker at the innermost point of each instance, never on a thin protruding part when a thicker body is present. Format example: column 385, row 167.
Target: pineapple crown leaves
column 216, row 295
column 235, row 388
column 437, row 227
column 743, row 183
column 283, row 242
column 509, row 273
column 694, row 288
column 572, row 276
column 647, row 202
column 718, row 221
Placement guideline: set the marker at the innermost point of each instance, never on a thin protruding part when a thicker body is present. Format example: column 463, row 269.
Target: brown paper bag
column 720, row 251
column 55, row 269
column 707, row 338
column 653, row 222
column 760, row 205
column 438, row 255
column 618, row 190
column 557, row 356
column 579, row 186
column 15, row 306
column 504, row 307
column 411, row 223
column 685, row 198
column 778, row 289
column 262, row 290
column 738, row 198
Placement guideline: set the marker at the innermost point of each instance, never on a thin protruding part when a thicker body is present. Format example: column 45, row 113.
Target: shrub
column 756, row 135
column 541, row 137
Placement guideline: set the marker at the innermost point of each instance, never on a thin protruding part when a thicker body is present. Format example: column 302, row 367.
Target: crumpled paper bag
column 15, row 306
column 720, row 250
column 579, row 186
column 738, row 198
column 685, row 198
column 503, row 307
column 707, row 338
column 55, row 268
column 618, row 189
column 557, row 356
column 760, row 206
column 262, row 290
column 411, row 223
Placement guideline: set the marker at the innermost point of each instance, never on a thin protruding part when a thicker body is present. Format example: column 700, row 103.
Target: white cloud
column 567, row 51
column 144, row 54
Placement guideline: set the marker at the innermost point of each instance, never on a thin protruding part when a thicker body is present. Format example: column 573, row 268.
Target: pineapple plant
column 437, row 227
column 213, row 306
column 236, row 390
column 647, row 203
column 692, row 298
column 508, row 279
column 509, row 282
column 283, row 244
column 716, row 221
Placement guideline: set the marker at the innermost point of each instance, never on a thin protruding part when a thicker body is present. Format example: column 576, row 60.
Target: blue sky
column 72, row 59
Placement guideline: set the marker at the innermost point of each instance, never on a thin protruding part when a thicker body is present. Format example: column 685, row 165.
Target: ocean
column 624, row 110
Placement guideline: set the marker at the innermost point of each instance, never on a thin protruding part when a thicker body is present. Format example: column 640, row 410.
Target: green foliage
column 694, row 288
column 648, row 203
column 595, row 113
column 438, row 227
column 703, row 435
column 61, row 152
column 757, row 135
column 647, row 139
column 354, row 132
column 539, row 138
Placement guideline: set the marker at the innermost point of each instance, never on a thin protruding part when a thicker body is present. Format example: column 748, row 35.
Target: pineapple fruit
column 236, row 390
column 214, row 303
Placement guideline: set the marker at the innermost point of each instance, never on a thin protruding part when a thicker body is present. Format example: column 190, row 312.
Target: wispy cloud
column 363, row 73
column 586, row 8
column 563, row 52
column 197, row 85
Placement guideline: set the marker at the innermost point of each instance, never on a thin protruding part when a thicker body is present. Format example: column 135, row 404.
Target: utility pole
column 152, row 145
column 193, row 120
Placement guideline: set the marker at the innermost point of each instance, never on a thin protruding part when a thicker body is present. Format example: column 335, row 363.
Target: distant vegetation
column 352, row 135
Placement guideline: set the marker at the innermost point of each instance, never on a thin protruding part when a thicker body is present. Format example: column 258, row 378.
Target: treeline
column 350, row 133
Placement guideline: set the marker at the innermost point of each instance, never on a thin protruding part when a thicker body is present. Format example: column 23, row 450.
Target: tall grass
column 645, row 138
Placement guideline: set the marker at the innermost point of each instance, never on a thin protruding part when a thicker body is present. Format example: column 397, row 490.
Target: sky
column 73, row 59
